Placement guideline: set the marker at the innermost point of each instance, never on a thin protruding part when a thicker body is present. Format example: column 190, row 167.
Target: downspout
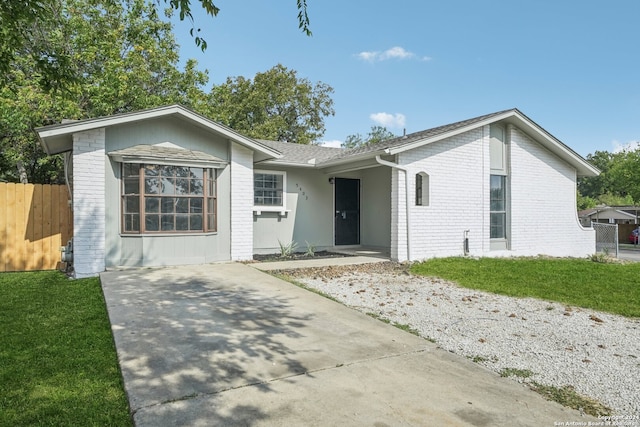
column 408, row 204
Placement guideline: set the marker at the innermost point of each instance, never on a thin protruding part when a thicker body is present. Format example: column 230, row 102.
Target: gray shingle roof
column 412, row 137
column 157, row 152
column 304, row 154
column 300, row 153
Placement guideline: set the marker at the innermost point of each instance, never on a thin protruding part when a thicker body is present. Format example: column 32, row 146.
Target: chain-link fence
column 606, row 238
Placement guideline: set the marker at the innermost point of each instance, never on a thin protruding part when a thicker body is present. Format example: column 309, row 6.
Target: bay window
column 168, row 199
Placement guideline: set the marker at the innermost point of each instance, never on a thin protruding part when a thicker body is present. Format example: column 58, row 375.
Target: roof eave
column 583, row 168
column 61, row 133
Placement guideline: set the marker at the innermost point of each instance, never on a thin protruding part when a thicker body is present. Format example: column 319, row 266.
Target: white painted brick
column 89, row 202
column 241, row 203
column 459, row 171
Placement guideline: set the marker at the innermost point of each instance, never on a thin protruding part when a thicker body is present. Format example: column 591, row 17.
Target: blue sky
column 571, row 66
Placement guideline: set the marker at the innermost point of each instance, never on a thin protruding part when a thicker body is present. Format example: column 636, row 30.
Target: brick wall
column 543, row 203
column 89, row 202
column 543, row 213
column 241, row 203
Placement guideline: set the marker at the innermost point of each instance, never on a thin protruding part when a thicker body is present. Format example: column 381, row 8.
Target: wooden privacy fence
column 35, row 220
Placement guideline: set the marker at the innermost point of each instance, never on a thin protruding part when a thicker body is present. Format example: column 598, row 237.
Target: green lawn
column 58, row 364
column 614, row 288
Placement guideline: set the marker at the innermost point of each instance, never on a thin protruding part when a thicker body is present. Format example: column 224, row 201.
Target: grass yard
column 58, row 363
column 613, row 288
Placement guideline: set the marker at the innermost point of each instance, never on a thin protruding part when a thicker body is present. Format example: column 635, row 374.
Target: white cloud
column 389, row 120
column 395, row 52
column 335, row 143
column 629, row 146
column 368, row 56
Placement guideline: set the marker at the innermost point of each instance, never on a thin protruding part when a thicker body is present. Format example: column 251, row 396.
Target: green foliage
column 275, row 105
column 586, row 202
column 124, row 59
column 58, row 364
column 567, row 396
column 515, row 372
column 287, row 249
column 25, row 27
column 619, row 181
column 377, row 134
column 600, row 286
column 311, row 249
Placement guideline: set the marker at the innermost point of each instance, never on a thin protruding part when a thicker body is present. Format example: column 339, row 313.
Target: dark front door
column 347, row 211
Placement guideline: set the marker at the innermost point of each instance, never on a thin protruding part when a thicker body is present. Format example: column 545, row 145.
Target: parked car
column 633, row 237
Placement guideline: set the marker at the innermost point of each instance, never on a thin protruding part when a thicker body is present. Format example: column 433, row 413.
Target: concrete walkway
column 226, row 344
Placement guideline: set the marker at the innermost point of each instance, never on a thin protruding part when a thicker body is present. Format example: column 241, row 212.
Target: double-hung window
column 168, row 199
column 269, row 190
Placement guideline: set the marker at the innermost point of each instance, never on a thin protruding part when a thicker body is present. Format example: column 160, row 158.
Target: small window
column 422, row 189
column 269, row 190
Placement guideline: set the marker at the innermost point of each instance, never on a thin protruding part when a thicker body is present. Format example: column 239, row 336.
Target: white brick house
column 167, row 186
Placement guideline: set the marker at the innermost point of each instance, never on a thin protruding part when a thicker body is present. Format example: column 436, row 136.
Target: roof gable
column 59, row 138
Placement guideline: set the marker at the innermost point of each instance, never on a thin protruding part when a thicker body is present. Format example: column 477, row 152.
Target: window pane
column 497, row 205
column 167, row 223
column 182, row 222
column 151, row 170
column 132, row 204
column 498, row 223
column 211, row 224
column 182, row 205
column 182, row 172
column 197, row 173
column 152, row 205
column 197, row 187
column 152, row 186
column 132, row 185
column 182, row 186
column 152, row 222
column 168, row 171
column 196, row 222
column 167, row 204
column 196, row 206
column 130, row 170
column 132, row 222
column 212, row 188
column 211, row 206
column 168, row 186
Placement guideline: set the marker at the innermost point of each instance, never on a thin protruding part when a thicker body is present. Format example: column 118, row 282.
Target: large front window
column 168, row 199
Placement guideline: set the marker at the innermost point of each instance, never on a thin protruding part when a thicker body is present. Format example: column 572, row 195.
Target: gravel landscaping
column 529, row 340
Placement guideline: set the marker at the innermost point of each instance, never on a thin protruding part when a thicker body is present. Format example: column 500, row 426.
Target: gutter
column 408, row 203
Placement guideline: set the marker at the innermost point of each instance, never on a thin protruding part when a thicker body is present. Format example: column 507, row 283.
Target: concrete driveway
column 225, row 344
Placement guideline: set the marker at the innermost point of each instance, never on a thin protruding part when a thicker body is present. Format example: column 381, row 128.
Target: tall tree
column 276, row 105
column 376, row 134
column 23, row 23
column 124, row 59
column 619, row 180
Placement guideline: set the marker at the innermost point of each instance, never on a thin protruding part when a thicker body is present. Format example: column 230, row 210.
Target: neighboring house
column 610, row 215
column 167, row 186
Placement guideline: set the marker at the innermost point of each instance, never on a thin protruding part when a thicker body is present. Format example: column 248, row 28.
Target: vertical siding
column 35, row 220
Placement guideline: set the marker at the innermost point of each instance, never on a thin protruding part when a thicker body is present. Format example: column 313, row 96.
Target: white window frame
column 258, row 209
